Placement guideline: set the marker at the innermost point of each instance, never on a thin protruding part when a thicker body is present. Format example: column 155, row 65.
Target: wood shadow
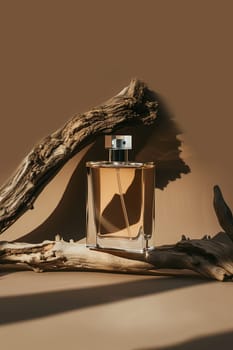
column 157, row 143
column 32, row 306
column 213, row 342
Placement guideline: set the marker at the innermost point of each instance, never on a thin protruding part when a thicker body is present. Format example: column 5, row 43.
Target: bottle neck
column 118, row 155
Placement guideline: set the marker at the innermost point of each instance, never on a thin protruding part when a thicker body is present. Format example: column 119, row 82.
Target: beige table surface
column 80, row 310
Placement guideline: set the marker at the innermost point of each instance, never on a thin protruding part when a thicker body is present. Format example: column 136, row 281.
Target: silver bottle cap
column 123, row 142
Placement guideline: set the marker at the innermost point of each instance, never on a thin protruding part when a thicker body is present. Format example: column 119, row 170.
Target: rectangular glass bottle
column 120, row 203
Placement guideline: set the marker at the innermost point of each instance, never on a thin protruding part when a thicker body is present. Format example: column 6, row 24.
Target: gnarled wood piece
column 134, row 104
column 223, row 212
column 212, row 258
column 209, row 258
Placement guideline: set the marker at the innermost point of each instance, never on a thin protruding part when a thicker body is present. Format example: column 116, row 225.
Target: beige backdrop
column 62, row 57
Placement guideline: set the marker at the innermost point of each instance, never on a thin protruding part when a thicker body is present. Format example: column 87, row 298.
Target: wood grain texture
column 210, row 257
column 135, row 104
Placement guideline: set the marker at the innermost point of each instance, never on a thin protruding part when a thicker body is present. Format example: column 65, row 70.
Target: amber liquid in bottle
column 120, row 205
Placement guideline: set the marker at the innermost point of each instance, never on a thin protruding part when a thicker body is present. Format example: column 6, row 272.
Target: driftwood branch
column 210, row 257
column 135, row 104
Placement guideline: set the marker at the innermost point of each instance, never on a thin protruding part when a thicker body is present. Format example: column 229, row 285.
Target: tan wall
column 62, row 57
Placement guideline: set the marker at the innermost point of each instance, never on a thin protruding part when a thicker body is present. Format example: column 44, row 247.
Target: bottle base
column 138, row 245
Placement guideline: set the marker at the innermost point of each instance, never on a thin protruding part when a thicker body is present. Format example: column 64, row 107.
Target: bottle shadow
column 157, row 143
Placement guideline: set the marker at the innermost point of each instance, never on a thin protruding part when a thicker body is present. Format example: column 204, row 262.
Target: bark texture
column 210, row 257
column 134, row 104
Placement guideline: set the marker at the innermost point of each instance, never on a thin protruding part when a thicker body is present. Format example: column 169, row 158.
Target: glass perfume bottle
column 120, row 200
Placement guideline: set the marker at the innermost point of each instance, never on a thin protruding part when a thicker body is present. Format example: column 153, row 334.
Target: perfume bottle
column 120, row 199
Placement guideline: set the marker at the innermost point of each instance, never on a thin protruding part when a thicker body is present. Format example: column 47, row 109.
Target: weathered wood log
column 135, row 104
column 210, row 257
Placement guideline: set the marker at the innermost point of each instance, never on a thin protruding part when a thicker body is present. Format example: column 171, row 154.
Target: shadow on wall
column 213, row 342
column 156, row 143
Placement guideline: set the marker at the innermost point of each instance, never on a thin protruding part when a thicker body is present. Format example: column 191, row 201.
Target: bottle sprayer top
column 118, row 146
column 118, row 142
